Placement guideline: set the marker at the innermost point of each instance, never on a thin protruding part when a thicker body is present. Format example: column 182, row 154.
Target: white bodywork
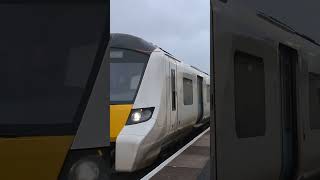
column 139, row 144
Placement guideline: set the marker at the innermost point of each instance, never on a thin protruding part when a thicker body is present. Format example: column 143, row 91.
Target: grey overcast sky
column 181, row 27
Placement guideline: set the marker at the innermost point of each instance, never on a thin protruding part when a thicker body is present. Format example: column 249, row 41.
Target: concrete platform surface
column 192, row 164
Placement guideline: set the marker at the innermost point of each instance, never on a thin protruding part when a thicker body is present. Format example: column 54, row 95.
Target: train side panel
column 246, row 54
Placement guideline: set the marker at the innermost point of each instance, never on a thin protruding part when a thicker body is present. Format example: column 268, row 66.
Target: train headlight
column 84, row 170
column 136, row 116
column 140, row 115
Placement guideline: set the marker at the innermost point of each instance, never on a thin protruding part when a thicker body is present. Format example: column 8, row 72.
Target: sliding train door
column 173, row 96
column 288, row 59
column 309, row 106
column 248, row 139
column 200, row 97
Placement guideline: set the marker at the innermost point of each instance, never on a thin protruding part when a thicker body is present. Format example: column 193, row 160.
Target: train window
column 126, row 71
column 187, row 91
column 46, row 60
column 208, row 93
column 314, row 100
column 173, row 89
column 249, row 95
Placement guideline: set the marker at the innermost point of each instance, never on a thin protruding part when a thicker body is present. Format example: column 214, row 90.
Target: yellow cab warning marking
column 118, row 118
column 35, row 158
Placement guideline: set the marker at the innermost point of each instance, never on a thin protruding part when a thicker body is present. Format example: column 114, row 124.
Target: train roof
column 126, row 41
column 268, row 26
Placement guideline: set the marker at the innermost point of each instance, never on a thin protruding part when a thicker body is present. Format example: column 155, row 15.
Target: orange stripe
column 118, row 118
column 35, row 158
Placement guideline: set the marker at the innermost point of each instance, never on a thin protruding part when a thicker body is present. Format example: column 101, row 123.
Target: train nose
column 118, row 118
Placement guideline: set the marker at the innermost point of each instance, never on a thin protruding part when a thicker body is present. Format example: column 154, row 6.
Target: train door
column 288, row 59
column 247, row 107
column 173, row 96
column 200, row 97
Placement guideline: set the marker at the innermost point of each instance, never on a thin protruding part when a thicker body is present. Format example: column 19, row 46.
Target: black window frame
column 173, row 90
column 243, row 129
column 184, row 92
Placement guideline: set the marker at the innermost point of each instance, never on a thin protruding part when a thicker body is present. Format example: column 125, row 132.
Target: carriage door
column 200, row 97
column 288, row 59
column 173, row 96
column 247, row 109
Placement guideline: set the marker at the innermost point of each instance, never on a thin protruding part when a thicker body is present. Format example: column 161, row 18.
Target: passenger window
column 75, row 72
column 187, row 91
column 173, row 87
column 249, row 92
column 314, row 100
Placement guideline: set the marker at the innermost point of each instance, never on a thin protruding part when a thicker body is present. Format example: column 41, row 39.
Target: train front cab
column 53, row 93
column 136, row 92
column 126, row 72
column 266, row 97
column 127, row 68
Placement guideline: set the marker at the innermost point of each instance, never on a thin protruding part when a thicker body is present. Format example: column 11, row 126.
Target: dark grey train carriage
column 266, row 97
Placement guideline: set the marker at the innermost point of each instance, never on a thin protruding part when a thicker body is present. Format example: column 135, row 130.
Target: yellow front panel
column 34, row 158
column 118, row 118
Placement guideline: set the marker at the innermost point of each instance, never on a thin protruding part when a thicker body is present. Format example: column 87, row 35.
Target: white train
column 155, row 99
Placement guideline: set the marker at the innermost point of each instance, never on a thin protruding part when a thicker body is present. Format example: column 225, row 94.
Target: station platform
column 192, row 162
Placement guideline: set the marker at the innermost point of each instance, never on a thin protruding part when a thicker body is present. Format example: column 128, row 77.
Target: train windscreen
column 126, row 72
column 46, row 59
